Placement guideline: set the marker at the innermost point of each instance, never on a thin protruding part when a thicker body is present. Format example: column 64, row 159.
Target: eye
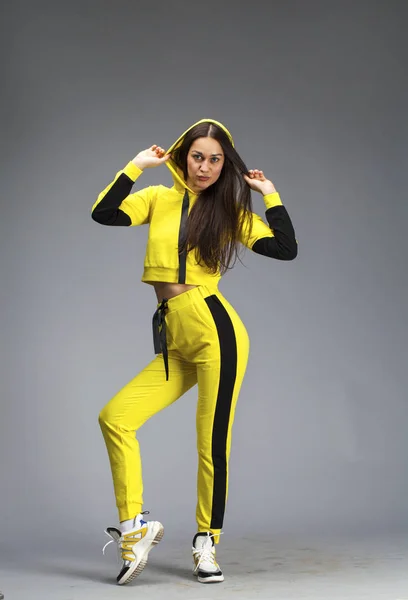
column 197, row 156
column 215, row 159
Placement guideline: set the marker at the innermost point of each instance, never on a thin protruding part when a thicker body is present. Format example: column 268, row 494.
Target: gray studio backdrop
column 314, row 93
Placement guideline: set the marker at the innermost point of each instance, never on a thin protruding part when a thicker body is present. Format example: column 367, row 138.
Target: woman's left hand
column 258, row 182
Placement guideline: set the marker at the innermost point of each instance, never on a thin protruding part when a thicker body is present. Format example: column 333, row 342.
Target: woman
column 196, row 228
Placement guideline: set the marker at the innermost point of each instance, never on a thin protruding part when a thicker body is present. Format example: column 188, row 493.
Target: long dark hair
column 217, row 219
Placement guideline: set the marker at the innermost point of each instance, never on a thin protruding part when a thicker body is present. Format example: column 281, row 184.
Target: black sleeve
column 284, row 245
column 107, row 212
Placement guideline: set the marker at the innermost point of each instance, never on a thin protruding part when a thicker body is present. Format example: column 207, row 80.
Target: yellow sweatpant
column 207, row 344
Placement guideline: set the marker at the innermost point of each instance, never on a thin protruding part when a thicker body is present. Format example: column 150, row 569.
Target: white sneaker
column 206, row 567
column 134, row 546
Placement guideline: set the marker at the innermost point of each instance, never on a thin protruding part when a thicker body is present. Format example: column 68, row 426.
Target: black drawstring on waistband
column 159, row 334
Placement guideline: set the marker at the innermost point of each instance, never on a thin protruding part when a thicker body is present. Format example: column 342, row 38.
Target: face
column 205, row 160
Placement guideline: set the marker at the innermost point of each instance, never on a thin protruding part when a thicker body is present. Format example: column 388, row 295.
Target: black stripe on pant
column 228, row 372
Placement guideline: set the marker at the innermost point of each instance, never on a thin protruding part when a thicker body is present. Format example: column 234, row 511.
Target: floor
column 375, row 569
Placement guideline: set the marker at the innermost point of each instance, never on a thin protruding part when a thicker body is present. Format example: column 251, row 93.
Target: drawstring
column 159, row 334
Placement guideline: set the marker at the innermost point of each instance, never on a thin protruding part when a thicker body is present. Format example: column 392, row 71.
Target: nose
column 204, row 167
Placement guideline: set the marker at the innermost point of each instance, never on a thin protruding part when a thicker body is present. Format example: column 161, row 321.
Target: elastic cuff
column 272, row 200
column 215, row 532
column 132, row 171
column 129, row 511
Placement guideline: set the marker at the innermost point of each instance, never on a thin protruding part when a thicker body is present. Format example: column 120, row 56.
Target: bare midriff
column 169, row 290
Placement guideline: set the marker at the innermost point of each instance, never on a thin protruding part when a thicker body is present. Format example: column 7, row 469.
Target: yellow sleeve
column 115, row 205
column 259, row 228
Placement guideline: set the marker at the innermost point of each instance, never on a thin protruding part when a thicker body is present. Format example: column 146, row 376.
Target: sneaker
column 206, row 567
column 134, row 546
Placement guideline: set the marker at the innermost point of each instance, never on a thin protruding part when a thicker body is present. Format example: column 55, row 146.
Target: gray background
column 314, row 93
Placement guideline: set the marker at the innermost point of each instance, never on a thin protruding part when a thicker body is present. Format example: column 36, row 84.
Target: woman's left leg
column 221, row 368
column 221, row 365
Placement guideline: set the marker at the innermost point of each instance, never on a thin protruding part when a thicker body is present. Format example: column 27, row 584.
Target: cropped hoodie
column 165, row 210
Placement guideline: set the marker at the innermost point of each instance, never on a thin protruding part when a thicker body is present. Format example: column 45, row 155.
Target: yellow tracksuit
column 198, row 334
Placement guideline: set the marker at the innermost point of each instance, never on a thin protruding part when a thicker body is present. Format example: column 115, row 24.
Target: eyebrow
column 213, row 154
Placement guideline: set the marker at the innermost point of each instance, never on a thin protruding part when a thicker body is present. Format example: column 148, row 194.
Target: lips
column 203, row 178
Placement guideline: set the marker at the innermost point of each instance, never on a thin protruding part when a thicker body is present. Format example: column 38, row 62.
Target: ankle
column 136, row 523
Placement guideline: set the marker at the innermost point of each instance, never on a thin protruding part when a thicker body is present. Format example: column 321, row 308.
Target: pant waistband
column 189, row 297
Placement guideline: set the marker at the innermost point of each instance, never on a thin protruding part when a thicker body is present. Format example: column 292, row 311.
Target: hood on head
column 177, row 173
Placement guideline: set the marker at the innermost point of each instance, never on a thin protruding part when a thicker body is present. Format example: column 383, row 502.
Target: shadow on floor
column 104, row 573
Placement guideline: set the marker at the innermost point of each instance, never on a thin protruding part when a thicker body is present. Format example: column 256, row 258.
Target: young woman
column 196, row 229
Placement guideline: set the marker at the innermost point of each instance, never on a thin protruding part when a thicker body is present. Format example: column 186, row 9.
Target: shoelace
column 121, row 551
column 125, row 551
column 206, row 553
column 110, row 541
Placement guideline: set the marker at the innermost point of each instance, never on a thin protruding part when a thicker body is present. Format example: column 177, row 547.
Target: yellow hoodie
column 165, row 209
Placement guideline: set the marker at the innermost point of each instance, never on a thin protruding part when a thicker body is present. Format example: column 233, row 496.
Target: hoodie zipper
column 182, row 237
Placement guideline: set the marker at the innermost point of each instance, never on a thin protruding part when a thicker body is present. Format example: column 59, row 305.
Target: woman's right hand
column 151, row 157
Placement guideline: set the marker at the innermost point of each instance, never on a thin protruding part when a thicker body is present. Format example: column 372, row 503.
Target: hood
column 177, row 173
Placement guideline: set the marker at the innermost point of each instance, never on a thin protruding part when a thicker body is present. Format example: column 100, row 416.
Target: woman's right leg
column 145, row 395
